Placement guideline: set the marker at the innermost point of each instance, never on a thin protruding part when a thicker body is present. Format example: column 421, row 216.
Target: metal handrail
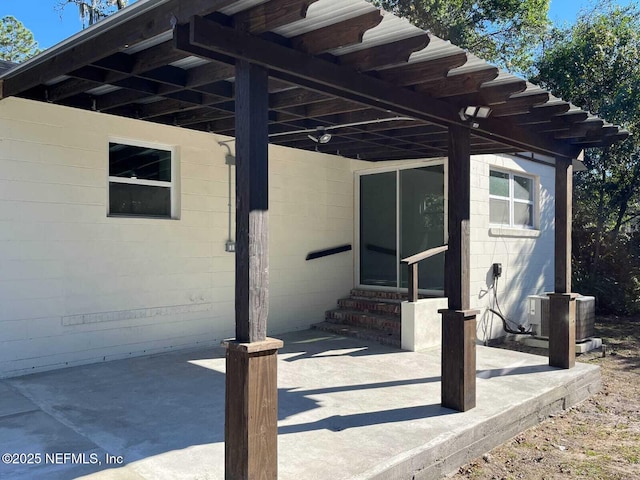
column 412, row 267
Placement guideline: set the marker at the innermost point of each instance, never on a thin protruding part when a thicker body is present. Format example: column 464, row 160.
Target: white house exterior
column 79, row 286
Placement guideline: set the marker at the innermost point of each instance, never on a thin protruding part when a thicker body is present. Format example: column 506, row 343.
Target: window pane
column 378, row 229
column 499, row 211
column 499, row 184
column 523, row 188
column 139, row 162
column 522, row 214
column 125, row 199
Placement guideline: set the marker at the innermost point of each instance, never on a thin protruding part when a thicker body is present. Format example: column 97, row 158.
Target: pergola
column 275, row 71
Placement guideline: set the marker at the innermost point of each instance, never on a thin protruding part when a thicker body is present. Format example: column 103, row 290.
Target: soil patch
column 597, row 439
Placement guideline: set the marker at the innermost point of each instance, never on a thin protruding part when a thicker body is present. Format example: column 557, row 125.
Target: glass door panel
column 422, row 223
column 378, row 225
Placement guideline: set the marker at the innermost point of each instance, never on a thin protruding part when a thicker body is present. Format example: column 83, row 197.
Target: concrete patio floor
column 348, row 410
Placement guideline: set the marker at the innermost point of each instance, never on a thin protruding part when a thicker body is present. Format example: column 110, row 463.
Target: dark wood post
column 251, row 398
column 562, row 308
column 459, row 322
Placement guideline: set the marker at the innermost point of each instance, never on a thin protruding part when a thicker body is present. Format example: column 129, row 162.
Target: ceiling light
column 322, row 137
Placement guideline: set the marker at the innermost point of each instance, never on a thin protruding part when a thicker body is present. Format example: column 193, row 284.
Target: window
column 141, row 181
column 511, row 199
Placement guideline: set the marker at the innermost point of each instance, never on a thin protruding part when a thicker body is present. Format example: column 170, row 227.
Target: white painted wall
column 527, row 256
column 77, row 286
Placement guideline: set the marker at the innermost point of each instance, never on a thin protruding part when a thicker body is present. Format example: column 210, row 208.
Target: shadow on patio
column 347, row 410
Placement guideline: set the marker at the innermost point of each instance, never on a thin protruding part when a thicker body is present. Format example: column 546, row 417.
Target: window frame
column 172, row 184
column 512, row 200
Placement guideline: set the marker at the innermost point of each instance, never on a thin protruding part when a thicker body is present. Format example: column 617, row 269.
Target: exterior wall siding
column 78, row 287
column 527, row 257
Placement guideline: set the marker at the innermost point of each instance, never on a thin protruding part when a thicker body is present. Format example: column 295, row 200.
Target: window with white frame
column 141, row 181
column 511, row 199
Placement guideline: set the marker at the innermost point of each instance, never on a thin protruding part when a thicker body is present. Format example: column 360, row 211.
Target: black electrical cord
column 521, row 330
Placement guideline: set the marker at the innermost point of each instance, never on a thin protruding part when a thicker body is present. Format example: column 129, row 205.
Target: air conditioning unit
column 539, row 316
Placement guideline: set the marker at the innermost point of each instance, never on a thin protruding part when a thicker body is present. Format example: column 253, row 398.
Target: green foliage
column 595, row 65
column 92, row 11
column 16, row 41
column 503, row 31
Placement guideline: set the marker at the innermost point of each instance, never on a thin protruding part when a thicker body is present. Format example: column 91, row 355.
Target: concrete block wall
column 78, row 287
column 527, row 256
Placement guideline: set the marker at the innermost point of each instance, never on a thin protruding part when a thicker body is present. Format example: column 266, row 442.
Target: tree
column 503, row 31
column 92, row 11
column 595, row 64
column 16, row 41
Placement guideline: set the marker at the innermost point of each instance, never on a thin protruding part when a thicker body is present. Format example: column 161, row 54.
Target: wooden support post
column 562, row 305
column 459, row 359
column 252, row 202
column 251, row 410
column 562, row 330
column 563, row 212
column 459, row 322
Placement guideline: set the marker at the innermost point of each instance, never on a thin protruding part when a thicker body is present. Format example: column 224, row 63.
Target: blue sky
column 50, row 27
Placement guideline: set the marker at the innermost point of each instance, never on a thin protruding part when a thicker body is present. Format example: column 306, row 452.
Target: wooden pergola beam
column 205, row 37
column 150, row 22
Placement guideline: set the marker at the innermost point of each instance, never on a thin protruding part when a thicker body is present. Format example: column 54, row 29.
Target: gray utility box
column 538, row 310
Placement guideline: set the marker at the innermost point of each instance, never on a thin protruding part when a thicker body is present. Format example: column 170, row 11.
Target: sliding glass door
column 401, row 213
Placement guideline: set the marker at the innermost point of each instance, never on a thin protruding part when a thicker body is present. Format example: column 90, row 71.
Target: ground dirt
column 597, row 439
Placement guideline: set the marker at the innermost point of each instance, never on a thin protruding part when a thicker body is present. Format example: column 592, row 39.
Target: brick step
column 380, row 294
column 383, row 323
column 390, row 339
column 371, row 305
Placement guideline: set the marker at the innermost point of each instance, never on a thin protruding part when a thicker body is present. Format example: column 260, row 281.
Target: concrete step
column 383, row 323
column 390, row 339
column 371, row 305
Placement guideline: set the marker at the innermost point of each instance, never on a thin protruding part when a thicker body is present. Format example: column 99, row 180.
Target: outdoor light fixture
column 320, row 134
column 473, row 113
column 322, row 137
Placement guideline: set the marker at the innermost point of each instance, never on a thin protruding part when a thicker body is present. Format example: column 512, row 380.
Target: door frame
column 356, row 227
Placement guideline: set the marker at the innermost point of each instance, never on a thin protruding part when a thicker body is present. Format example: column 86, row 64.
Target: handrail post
column 413, row 281
column 412, row 269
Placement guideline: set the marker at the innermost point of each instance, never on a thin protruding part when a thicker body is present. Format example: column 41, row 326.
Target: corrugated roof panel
column 391, row 29
column 324, row 13
column 57, row 80
column 104, row 89
column 189, row 62
column 240, row 6
column 152, row 42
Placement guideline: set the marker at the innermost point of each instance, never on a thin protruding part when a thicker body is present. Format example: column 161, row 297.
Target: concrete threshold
column 347, row 410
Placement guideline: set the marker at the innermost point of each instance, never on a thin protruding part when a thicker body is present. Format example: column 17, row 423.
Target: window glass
column 523, row 188
column 511, row 199
column 129, row 161
column 499, row 184
column 126, row 199
column 140, row 181
column 522, row 214
column 499, row 211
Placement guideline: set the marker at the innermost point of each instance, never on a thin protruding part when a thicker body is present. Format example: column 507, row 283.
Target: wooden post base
column 562, row 330
column 251, row 410
column 459, row 359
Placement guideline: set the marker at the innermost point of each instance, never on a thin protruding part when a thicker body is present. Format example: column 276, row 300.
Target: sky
column 50, row 27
